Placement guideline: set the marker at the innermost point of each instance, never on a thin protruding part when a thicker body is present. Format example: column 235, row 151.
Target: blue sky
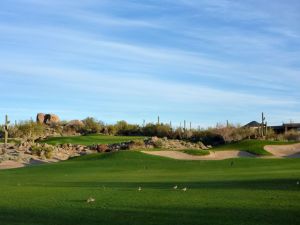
column 204, row 61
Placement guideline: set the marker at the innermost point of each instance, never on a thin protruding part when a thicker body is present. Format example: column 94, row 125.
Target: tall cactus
column 263, row 125
column 6, row 130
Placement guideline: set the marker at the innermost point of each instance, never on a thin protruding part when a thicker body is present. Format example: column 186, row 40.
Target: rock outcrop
column 171, row 144
column 40, row 118
column 47, row 118
column 27, row 150
column 75, row 123
column 51, row 118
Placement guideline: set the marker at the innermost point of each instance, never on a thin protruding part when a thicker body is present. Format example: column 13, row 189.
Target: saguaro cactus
column 263, row 125
column 6, row 130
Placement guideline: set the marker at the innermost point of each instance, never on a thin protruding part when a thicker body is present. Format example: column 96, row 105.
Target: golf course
column 151, row 112
column 130, row 187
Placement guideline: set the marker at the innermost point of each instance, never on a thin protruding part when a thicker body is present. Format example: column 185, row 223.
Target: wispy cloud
column 189, row 57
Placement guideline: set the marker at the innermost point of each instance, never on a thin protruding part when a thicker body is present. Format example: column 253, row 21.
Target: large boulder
column 75, row 123
column 40, row 118
column 51, row 118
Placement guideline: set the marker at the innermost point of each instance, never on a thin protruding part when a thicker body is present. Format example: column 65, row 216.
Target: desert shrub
column 158, row 143
column 56, row 127
column 48, row 151
column 69, row 130
column 280, row 137
column 177, row 134
column 36, row 150
column 91, row 126
column 137, row 144
column 292, row 135
column 42, row 150
column 123, row 128
column 207, row 138
column 159, row 130
column 232, row 133
column 149, row 130
column 110, row 130
column 163, row 130
column 1, row 131
column 271, row 135
column 27, row 129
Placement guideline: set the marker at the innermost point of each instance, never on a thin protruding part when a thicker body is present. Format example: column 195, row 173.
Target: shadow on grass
column 272, row 184
column 95, row 214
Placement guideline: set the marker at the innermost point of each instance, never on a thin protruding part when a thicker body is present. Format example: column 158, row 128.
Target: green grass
column 195, row 152
column 228, row 192
column 252, row 146
column 90, row 139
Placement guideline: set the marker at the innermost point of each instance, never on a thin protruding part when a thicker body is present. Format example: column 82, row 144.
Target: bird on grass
column 90, row 199
column 175, row 187
column 184, row 189
column 140, row 189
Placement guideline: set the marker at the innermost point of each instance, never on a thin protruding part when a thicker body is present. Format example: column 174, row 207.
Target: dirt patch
column 214, row 155
column 10, row 164
column 287, row 151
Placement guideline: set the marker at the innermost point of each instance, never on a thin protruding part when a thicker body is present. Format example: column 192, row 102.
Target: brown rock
column 40, row 118
column 75, row 123
column 102, row 148
column 51, row 118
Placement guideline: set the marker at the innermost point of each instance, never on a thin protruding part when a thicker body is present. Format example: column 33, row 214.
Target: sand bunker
column 287, row 151
column 277, row 151
column 11, row 164
column 214, row 155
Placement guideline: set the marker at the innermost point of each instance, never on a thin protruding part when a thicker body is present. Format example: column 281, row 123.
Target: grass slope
column 195, row 152
column 253, row 146
column 90, row 139
column 239, row 191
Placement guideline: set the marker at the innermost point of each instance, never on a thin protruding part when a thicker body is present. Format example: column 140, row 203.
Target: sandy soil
column 214, row 155
column 11, row 164
column 287, row 151
column 278, row 151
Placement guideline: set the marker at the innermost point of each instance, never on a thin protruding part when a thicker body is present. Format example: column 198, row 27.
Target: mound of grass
column 90, row 139
column 196, row 152
column 227, row 192
column 252, row 146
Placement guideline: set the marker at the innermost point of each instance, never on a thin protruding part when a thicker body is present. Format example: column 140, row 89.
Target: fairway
column 239, row 191
column 91, row 139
